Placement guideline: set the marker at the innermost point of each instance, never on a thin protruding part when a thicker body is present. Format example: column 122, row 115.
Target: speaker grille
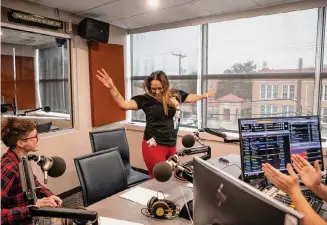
column 94, row 30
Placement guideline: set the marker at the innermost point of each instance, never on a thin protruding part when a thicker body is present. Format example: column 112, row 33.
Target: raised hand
column 287, row 183
column 211, row 93
column 311, row 176
column 104, row 78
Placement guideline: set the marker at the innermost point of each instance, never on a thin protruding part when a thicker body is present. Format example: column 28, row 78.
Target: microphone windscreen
column 46, row 109
column 162, row 171
column 58, row 167
column 188, row 141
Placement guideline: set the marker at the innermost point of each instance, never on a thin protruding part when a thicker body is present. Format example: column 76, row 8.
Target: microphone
column 188, row 141
column 45, row 109
column 54, row 166
column 163, row 171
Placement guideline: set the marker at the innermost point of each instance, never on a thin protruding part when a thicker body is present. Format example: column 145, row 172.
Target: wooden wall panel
column 25, row 81
column 111, row 58
column 7, row 78
column 25, row 84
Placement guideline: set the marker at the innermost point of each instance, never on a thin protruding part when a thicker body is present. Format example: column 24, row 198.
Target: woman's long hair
column 167, row 93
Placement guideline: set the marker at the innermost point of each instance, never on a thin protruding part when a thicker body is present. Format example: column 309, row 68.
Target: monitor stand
column 184, row 213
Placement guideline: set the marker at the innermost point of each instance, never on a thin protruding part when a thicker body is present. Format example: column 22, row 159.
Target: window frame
column 203, row 77
column 70, row 77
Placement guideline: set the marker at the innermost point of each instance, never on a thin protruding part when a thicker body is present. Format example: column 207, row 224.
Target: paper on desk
column 110, row 221
column 141, row 195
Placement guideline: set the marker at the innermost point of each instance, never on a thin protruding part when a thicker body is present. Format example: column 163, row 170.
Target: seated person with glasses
column 20, row 135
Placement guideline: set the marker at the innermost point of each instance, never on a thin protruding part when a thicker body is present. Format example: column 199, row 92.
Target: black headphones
column 161, row 208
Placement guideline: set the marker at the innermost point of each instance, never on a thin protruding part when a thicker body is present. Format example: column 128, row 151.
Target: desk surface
column 119, row 208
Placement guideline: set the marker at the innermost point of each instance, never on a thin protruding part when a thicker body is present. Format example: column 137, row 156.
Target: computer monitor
column 220, row 198
column 275, row 139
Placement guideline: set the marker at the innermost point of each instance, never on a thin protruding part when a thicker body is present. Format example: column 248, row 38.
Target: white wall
column 75, row 142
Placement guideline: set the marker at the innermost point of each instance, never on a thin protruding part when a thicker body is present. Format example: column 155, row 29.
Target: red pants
column 155, row 154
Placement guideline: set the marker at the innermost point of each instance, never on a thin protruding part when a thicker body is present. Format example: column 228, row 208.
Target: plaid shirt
column 14, row 203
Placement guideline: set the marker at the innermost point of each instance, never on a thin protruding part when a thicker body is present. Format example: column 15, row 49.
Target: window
column 287, row 110
column 259, row 66
column 244, row 55
column 288, row 91
column 269, row 91
column 324, row 97
column 35, row 76
column 268, row 110
column 324, row 114
column 226, row 114
column 174, row 51
column 264, row 44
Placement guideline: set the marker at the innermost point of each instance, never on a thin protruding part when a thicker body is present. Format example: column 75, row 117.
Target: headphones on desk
column 161, row 208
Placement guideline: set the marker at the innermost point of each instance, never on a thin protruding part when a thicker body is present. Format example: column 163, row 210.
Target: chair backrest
column 43, row 127
column 101, row 140
column 101, row 175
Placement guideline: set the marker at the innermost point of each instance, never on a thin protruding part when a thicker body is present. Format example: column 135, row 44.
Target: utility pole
column 180, row 56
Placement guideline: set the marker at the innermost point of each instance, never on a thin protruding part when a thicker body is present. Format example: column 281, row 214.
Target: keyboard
column 282, row 197
column 310, row 194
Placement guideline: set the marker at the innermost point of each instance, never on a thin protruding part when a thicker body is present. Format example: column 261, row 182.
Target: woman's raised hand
column 105, row 79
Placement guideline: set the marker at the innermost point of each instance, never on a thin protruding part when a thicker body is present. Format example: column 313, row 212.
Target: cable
column 58, row 13
column 231, row 165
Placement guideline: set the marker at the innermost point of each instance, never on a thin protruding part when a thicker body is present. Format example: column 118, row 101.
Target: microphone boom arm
column 196, row 150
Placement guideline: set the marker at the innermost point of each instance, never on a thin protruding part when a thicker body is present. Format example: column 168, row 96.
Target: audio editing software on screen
column 273, row 140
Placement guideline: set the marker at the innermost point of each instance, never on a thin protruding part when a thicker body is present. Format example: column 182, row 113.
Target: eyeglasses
column 158, row 88
column 36, row 136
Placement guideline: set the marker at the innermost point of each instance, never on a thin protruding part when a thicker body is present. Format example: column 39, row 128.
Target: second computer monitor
column 274, row 140
column 219, row 198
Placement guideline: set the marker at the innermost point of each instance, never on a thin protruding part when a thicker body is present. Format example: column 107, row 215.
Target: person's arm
column 194, row 97
column 311, row 175
column 320, row 190
column 45, row 192
column 12, row 215
column 290, row 185
column 121, row 102
column 302, row 206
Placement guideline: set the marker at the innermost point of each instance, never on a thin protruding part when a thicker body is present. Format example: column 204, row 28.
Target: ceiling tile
column 24, row 38
column 127, row 8
column 74, row 6
column 274, row 2
column 223, row 6
column 177, row 13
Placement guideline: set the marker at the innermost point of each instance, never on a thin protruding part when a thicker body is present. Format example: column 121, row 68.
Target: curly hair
column 14, row 129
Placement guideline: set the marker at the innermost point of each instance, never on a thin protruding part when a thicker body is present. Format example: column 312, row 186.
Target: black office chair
column 43, row 127
column 101, row 175
column 101, row 140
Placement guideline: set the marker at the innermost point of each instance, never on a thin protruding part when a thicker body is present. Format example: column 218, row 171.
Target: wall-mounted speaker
column 94, row 30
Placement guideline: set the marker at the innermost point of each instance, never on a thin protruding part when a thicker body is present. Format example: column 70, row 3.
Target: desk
column 119, row 208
